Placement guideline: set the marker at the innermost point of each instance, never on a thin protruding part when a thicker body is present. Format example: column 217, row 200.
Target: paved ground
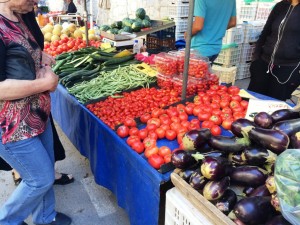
column 86, row 202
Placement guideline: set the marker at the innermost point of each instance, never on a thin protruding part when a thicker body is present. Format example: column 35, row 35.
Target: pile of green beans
column 109, row 83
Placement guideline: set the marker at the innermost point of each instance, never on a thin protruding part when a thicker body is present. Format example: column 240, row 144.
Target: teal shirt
column 216, row 14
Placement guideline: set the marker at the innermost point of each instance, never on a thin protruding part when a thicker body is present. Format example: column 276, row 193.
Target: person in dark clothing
column 275, row 67
column 59, row 151
column 71, row 7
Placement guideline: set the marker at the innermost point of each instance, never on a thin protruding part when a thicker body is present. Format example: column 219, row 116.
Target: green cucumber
column 117, row 61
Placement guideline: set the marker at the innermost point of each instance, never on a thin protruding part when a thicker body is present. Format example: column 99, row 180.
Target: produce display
column 129, row 25
column 173, row 122
column 236, row 172
column 89, row 63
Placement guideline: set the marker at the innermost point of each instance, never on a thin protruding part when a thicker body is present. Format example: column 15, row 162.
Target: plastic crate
column 178, row 10
column 225, row 74
column 252, row 30
column 248, row 11
column 179, row 211
column 181, row 24
column 162, row 34
column 234, row 35
column 247, row 52
column 243, row 71
column 263, row 10
column 178, row 1
column 229, row 56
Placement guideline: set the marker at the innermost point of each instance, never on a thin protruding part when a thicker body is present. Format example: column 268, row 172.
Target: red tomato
column 233, row 90
column 193, row 126
column 149, row 142
column 167, row 158
column 226, row 124
column 150, row 151
column 244, row 104
column 164, row 150
column 183, row 116
column 214, row 87
column 185, row 124
column 224, row 104
column 238, row 115
column 234, row 103
column 160, row 132
column 175, row 119
column 236, row 98
column 197, row 109
column 156, row 161
column 165, row 127
column 227, row 110
column 216, row 119
column 222, row 88
column 143, row 133
column 155, row 121
column 179, row 137
column 123, row 131
column 156, row 112
column 207, row 124
column 171, row 134
column 138, row 146
column 175, row 126
column 145, row 117
column 189, row 109
column 204, row 116
column 195, row 121
column 152, row 134
column 134, row 131
column 131, row 139
column 215, row 130
column 151, row 126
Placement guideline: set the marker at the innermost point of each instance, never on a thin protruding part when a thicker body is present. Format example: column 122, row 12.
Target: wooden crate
column 198, row 201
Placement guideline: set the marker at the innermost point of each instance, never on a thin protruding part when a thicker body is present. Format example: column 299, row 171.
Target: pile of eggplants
column 216, row 165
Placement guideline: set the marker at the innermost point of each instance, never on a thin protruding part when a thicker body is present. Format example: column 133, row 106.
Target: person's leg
column 212, row 58
column 34, row 159
column 259, row 81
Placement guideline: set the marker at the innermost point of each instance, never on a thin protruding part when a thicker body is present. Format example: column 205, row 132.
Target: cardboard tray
column 199, row 202
column 156, row 25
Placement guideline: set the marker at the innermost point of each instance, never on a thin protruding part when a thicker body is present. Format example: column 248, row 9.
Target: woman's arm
column 12, row 89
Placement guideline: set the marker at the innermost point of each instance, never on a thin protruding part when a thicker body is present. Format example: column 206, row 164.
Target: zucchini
column 117, row 61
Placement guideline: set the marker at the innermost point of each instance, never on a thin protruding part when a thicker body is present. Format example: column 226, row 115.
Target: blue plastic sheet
column 114, row 164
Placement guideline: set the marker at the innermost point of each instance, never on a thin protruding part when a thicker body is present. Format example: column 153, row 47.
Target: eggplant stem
column 268, row 167
column 243, row 141
column 198, row 156
column 231, row 215
column 245, row 131
column 271, row 158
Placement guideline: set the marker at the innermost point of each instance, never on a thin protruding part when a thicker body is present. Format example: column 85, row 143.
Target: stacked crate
column 229, row 57
column 178, row 11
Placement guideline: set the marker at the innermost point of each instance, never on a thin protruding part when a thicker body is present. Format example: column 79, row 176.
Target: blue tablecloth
column 114, row 164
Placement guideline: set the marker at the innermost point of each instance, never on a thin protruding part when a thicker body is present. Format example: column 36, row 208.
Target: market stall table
column 114, row 164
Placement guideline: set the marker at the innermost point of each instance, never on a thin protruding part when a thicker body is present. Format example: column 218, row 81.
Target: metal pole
column 187, row 49
column 85, row 19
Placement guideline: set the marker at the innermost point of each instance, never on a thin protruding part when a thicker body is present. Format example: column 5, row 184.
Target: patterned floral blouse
column 21, row 118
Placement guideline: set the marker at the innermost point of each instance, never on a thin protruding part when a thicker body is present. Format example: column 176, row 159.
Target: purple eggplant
column 215, row 168
column 186, row 173
column 182, row 159
column 288, row 126
column 284, row 114
column 257, row 156
column 214, row 190
column 274, row 140
column 195, row 139
column 197, row 180
column 214, row 153
column 236, row 158
column 262, row 190
column 248, row 190
column 253, row 210
column 295, row 140
column 237, row 125
column 278, row 220
column 263, row 120
column 226, row 203
column 252, row 176
column 228, row 144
